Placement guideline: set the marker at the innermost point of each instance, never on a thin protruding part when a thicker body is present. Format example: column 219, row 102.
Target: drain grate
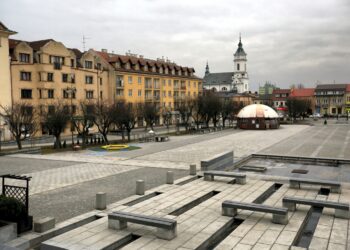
column 189, row 180
column 125, row 241
column 324, row 191
column 264, row 196
column 143, row 198
column 300, row 171
column 308, row 228
column 193, row 203
column 220, row 235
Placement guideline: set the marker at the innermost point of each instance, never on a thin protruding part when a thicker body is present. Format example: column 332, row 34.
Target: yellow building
column 46, row 72
column 5, row 75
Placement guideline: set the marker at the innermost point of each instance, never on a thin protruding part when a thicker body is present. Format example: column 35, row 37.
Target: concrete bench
column 334, row 185
column 240, row 178
column 219, row 161
column 279, row 215
column 166, row 228
column 44, row 224
column 341, row 209
column 162, row 138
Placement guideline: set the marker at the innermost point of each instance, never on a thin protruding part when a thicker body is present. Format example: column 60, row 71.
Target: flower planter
column 25, row 224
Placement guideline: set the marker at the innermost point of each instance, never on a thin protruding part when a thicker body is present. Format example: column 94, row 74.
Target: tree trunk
column 223, row 122
column 123, row 136
column 58, row 141
column 105, row 137
column 19, row 143
column 128, row 134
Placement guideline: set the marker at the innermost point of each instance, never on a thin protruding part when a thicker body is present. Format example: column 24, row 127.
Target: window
column 89, row 79
column 101, row 95
column 194, row 84
column 139, row 80
column 169, row 93
column 27, row 110
column 120, row 92
column 66, row 109
column 26, row 76
column 98, row 66
column 72, row 63
column 50, row 93
column 130, row 92
column 65, row 94
column 64, row 77
column 88, row 64
column 50, row 77
column 40, row 94
column 130, row 79
column 164, row 93
column 164, row 82
column 237, row 66
column 74, row 109
column 100, row 81
column 24, row 57
column 89, row 94
column 26, row 93
column 169, row 83
column 139, row 92
column 57, row 61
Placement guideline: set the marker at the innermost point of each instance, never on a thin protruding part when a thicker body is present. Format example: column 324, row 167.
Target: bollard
column 140, row 187
column 193, row 169
column 170, row 177
column 101, row 201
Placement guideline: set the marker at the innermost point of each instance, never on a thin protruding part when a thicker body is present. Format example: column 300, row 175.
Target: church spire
column 207, row 69
column 240, row 51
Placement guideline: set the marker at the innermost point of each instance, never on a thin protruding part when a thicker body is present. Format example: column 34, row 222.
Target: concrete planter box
column 8, row 231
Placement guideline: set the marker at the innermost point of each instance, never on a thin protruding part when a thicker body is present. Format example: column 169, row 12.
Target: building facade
column 331, row 99
column 5, row 75
column 236, row 81
column 279, row 99
column 46, row 72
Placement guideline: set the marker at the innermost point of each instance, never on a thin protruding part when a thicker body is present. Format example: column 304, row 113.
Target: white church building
column 236, row 81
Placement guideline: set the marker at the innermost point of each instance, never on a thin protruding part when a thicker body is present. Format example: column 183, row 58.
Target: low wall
column 8, row 231
column 219, row 161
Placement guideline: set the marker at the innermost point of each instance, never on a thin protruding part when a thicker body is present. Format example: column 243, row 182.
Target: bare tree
column 55, row 119
column 229, row 109
column 150, row 112
column 104, row 118
column 211, row 108
column 297, row 107
column 198, row 110
column 128, row 117
column 21, row 120
column 185, row 109
column 85, row 120
column 166, row 114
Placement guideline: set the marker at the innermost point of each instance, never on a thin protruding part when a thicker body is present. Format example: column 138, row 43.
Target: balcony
column 148, row 98
column 57, row 65
column 156, row 98
column 176, row 87
column 183, row 88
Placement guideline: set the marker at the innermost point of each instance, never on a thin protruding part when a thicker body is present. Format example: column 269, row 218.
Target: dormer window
column 98, row 66
column 161, row 70
column 88, row 64
column 145, row 68
column 127, row 65
column 23, row 57
column 166, row 71
column 117, row 64
column 154, row 69
column 173, row 71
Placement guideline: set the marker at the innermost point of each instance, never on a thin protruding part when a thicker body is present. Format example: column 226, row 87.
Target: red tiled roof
column 305, row 92
column 280, row 91
column 348, row 88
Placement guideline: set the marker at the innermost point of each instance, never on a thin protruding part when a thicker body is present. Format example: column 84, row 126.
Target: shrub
column 11, row 209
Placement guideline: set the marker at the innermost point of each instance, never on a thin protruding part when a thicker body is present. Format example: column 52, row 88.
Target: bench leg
column 229, row 211
column 294, row 184
column 280, row 219
column 336, row 190
column 208, row 177
column 241, row 181
column 117, row 224
column 290, row 205
column 166, row 234
column 340, row 213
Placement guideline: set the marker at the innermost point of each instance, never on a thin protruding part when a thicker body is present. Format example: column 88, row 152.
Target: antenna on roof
column 84, row 41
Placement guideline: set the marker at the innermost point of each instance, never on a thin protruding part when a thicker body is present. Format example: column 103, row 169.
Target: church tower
column 240, row 78
column 207, row 72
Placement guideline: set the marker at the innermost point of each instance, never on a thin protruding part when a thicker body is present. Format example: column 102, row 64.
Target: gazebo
column 257, row 116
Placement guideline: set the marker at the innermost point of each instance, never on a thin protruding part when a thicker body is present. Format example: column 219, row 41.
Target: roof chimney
column 104, row 50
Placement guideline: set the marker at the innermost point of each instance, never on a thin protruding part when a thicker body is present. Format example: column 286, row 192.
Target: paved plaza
column 69, row 181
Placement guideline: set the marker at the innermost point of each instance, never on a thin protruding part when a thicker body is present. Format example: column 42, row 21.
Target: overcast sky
column 287, row 42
